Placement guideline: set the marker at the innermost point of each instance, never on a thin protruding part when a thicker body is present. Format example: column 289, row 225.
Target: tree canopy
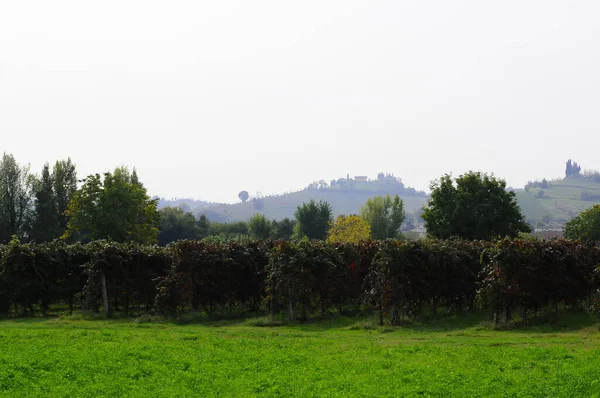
column 115, row 206
column 15, row 199
column 586, row 226
column 259, row 226
column 284, row 229
column 64, row 178
column 384, row 216
column 46, row 216
column 227, row 230
column 32, row 206
column 243, row 196
column 349, row 229
column 176, row 224
column 572, row 169
column 313, row 220
column 474, row 206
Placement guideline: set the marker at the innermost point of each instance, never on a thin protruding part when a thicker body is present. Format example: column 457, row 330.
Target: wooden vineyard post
column 105, row 296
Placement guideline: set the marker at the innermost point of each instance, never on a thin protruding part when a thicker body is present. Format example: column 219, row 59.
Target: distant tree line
column 473, row 206
column 48, row 206
column 116, row 206
column 382, row 216
column 176, row 224
column 573, row 169
column 544, row 184
column 592, row 175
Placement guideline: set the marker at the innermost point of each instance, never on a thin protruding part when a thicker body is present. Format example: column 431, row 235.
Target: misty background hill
column 558, row 201
column 186, row 204
column 545, row 203
column 346, row 196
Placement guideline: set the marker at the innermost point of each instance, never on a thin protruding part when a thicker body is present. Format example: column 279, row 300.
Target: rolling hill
column 560, row 201
column 553, row 205
column 346, row 196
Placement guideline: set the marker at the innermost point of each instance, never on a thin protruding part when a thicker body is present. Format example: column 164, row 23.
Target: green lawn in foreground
column 340, row 357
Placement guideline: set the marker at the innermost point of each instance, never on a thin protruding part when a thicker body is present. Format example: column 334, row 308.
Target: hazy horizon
column 208, row 99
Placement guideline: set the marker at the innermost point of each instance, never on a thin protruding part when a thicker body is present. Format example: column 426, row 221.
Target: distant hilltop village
column 380, row 177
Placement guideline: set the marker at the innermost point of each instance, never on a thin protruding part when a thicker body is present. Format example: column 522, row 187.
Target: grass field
column 340, row 357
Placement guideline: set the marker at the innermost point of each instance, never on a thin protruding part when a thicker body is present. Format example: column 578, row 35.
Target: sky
column 208, row 98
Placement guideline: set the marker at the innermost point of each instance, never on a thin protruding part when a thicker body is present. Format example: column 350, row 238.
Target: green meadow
column 331, row 357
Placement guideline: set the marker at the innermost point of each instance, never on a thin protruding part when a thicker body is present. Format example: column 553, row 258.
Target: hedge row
column 532, row 275
column 399, row 279
column 53, row 273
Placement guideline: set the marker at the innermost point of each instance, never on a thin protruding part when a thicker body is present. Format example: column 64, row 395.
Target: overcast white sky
column 207, row 98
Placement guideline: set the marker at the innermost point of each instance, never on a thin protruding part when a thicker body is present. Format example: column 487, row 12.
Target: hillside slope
column 346, row 199
column 560, row 201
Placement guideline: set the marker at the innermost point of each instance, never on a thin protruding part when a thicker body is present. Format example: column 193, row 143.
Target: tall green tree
column 260, row 227
column 176, row 224
column 46, row 217
column 586, row 226
column 572, row 169
column 203, row 225
column 15, row 199
column 474, row 206
column 64, row 176
column 134, row 178
column 113, row 207
column 384, row 215
column 313, row 220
